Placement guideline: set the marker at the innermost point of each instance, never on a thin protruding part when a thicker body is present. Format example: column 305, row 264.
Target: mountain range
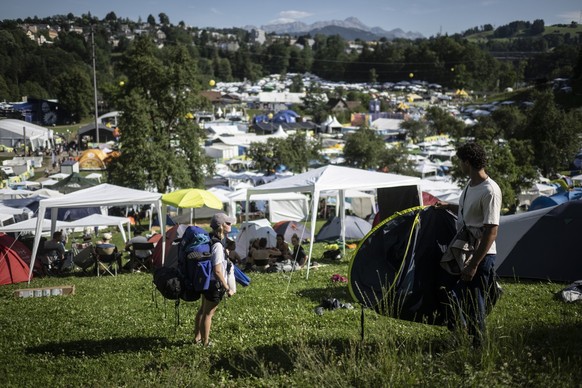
column 350, row 29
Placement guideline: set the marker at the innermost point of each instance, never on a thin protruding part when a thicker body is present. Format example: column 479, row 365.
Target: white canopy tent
column 362, row 204
column 289, row 206
column 334, row 178
column 103, row 220
column 31, row 224
column 100, row 195
column 13, row 131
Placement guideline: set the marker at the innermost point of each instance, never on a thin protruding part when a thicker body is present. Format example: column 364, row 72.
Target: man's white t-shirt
column 481, row 205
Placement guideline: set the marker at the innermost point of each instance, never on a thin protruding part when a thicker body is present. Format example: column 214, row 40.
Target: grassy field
column 113, row 333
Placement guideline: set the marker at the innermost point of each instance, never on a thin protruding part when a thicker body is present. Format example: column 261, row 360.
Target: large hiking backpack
column 194, row 262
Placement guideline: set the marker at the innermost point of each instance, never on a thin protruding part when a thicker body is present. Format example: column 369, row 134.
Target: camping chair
column 107, row 258
column 51, row 262
column 84, row 258
column 141, row 263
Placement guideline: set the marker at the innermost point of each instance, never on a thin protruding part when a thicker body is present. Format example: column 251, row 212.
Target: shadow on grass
column 96, row 348
column 316, row 295
column 276, row 359
column 286, row 358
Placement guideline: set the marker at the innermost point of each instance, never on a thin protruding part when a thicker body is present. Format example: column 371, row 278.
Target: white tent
column 252, row 230
column 287, row 206
column 31, row 224
column 102, row 220
column 334, row 178
column 100, row 195
column 361, row 204
column 13, row 131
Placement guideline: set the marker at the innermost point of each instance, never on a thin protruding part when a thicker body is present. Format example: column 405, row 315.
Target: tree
column 441, row 122
column 111, row 17
column 164, row 19
column 395, row 160
column 74, row 91
column 296, row 84
column 151, row 20
column 416, row 130
column 554, row 134
column 295, row 152
column 363, row 149
column 314, row 103
column 160, row 145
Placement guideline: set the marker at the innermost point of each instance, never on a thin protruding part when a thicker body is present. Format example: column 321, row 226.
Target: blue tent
column 285, row 116
column 556, row 199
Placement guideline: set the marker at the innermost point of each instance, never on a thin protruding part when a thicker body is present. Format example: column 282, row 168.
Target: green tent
column 73, row 182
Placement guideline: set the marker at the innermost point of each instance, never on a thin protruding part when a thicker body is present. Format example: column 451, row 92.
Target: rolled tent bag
column 241, row 277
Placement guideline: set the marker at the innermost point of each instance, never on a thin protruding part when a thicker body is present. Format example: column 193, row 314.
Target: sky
column 428, row 17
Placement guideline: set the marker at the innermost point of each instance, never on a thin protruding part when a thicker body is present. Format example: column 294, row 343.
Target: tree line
column 62, row 69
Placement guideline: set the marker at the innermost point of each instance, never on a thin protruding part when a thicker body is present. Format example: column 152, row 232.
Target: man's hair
column 474, row 154
column 263, row 242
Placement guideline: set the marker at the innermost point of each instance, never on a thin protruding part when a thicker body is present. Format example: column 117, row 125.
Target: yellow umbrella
column 192, row 198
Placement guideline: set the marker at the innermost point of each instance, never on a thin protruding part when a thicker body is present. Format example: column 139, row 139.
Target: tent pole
column 314, row 202
column 341, row 199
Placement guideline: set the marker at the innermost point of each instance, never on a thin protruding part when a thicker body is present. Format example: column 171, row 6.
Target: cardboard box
column 45, row 291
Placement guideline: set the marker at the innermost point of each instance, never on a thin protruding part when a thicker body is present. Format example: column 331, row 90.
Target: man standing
column 479, row 210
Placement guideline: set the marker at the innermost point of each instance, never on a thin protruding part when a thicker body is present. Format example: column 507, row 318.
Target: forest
column 55, row 61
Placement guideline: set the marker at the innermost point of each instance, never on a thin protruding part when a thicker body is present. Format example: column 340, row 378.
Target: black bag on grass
column 170, row 282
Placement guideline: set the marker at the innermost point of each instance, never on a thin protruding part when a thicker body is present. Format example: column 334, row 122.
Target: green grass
column 111, row 333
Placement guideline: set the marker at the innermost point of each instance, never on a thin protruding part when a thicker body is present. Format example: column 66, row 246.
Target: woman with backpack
column 221, row 226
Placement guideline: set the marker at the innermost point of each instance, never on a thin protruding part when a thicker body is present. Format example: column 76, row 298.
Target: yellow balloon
column 452, row 69
column 411, row 75
column 211, row 82
column 121, row 83
column 270, row 116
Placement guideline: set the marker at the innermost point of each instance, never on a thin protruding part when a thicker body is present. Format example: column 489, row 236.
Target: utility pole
column 95, row 85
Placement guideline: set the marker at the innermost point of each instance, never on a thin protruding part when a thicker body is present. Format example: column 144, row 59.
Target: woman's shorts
column 215, row 292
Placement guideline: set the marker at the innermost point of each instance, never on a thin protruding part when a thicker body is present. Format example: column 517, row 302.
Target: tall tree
column 160, row 145
column 74, row 92
column 364, row 149
column 555, row 134
column 294, row 152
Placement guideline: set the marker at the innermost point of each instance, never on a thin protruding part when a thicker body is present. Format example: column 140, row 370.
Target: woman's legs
column 203, row 320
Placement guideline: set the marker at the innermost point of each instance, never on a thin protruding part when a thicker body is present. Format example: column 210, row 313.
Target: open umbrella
column 192, row 199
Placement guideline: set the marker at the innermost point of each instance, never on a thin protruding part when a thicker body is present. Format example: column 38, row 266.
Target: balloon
column 411, row 75
column 121, row 83
column 211, row 82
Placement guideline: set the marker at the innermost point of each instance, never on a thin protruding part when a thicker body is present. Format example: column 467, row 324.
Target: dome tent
column 356, row 229
column 395, row 268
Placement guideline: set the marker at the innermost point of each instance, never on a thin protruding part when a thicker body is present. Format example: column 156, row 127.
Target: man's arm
column 489, row 236
column 447, row 206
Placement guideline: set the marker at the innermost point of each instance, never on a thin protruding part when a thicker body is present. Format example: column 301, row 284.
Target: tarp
column 335, row 178
column 101, row 195
column 541, row 244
